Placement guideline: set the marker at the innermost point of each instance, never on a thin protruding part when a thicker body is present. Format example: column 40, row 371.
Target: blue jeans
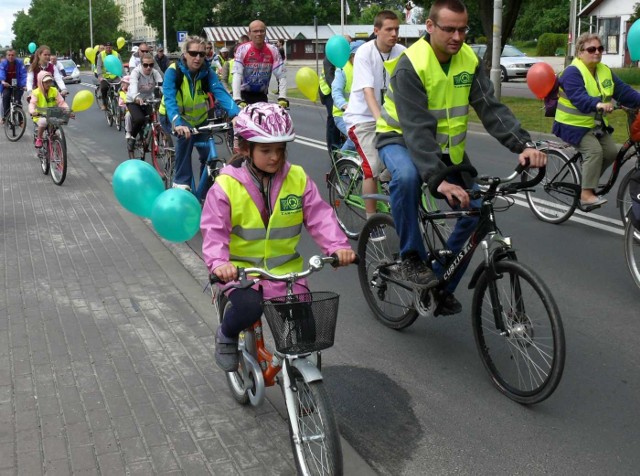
column 183, row 170
column 405, row 192
column 342, row 127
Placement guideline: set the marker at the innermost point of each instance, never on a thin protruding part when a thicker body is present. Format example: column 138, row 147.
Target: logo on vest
column 607, row 83
column 463, row 80
column 290, row 204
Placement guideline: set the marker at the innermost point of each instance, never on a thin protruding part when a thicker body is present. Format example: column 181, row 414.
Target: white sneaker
column 181, row 186
column 127, row 135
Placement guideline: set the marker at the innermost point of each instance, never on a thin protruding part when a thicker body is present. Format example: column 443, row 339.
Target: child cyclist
column 45, row 95
column 122, row 103
column 253, row 217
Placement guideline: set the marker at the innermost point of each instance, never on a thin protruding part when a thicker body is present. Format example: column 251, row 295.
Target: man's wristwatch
column 530, row 145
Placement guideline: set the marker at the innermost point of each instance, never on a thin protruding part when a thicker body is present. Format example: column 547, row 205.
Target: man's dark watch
column 530, row 145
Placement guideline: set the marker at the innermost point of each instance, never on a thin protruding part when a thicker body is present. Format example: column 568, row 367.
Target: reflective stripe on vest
column 42, row 101
column 324, row 86
column 567, row 113
column 348, row 73
column 273, row 248
column 106, row 74
column 447, row 95
column 193, row 108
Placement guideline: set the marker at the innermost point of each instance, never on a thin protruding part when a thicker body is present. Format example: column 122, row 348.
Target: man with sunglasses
column 255, row 62
column 184, row 106
column 422, row 130
column 134, row 62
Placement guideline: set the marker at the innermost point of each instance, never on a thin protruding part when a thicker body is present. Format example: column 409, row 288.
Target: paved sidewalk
column 106, row 363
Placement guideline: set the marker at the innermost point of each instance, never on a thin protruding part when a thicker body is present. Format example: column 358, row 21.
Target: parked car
column 513, row 62
column 73, row 73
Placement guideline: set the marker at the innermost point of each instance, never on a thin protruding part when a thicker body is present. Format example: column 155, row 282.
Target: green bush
column 549, row 43
column 481, row 40
column 628, row 75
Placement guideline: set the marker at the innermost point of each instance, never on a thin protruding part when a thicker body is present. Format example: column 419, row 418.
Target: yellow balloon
column 90, row 54
column 120, row 42
column 307, row 82
column 82, row 101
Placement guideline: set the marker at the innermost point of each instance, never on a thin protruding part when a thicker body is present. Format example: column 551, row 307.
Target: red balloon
column 540, row 79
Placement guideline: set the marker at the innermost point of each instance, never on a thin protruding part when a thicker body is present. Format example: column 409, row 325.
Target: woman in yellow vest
column 586, row 89
column 340, row 89
column 253, row 217
column 45, row 95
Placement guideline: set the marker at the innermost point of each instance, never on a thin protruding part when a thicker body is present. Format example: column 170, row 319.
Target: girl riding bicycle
column 45, row 95
column 253, row 216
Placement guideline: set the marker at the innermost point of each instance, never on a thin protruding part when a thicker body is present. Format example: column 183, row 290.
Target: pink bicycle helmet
column 264, row 123
column 126, row 79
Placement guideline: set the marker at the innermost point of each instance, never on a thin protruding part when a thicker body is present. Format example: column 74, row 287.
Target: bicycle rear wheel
column 15, row 124
column 119, row 118
column 526, row 359
column 623, row 199
column 379, row 270
column 58, row 161
column 319, row 451
column 345, row 191
column 162, row 156
column 555, row 199
column 632, row 250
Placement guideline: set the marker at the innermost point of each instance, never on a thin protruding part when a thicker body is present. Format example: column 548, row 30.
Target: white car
column 71, row 70
column 513, row 62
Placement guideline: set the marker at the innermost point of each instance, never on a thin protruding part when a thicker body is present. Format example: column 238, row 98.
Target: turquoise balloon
column 113, row 65
column 338, row 50
column 176, row 215
column 32, row 47
column 633, row 41
column 136, row 185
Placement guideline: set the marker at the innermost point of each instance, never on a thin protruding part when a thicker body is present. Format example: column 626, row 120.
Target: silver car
column 71, row 70
column 513, row 62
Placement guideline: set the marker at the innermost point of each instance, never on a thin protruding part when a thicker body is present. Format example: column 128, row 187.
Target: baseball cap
column 108, row 43
column 354, row 45
column 224, row 50
column 47, row 77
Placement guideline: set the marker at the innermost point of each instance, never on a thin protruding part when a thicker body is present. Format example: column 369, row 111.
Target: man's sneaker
column 127, row 135
column 131, row 144
column 377, row 234
column 181, row 186
column 449, row 305
column 38, row 143
column 416, row 272
column 226, row 352
column 103, row 107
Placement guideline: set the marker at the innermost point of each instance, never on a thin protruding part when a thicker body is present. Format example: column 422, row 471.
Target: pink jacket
column 33, row 103
column 215, row 224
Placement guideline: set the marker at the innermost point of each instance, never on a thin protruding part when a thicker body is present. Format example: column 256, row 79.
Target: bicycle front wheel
column 632, row 250
column 379, row 273
column 345, row 196
column 58, row 161
column 555, row 199
column 317, row 449
column 162, row 156
column 119, row 118
column 623, row 197
column 43, row 155
column 525, row 359
column 15, row 124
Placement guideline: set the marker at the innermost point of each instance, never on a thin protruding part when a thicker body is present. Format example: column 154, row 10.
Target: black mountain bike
column 15, row 119
column 516, row 322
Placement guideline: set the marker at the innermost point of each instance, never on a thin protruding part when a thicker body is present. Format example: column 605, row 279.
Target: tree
column 531, row 23
column 636, row 13
column 70, row 30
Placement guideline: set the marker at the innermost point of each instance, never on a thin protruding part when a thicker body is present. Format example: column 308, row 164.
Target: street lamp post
column 164, row 26
column 90, row 24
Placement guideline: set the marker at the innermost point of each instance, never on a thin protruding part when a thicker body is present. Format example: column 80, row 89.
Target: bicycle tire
column 391, row 303
column 235, row 381
column 526, row 362
column 58, row 161
column 623, row 199
column 632, row 250
column 161, row 156
column 43, row 155
column 548, row 201
column 15, row 124
column 320, row 449
column 119, row 118
column 345, row 191
column 139, row 150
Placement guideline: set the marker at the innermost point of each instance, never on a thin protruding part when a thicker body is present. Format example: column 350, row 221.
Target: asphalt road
column 419, row 401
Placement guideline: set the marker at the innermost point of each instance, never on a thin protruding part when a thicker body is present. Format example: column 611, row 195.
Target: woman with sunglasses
column 143, row 83
column 587, row 87
column 184, row 106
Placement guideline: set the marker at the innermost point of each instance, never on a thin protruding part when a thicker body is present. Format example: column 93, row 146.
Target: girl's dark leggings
column 246, row 308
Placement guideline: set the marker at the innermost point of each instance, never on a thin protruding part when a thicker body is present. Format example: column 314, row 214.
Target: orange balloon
column 540, row 79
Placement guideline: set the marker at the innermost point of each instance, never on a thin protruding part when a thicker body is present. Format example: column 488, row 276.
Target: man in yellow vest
column 423, row 128
column 340, row 89
column 105, row 77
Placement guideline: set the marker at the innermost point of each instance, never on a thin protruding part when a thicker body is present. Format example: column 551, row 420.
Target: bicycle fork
column 492, row 249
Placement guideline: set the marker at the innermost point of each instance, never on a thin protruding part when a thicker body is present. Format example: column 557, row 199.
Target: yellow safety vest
column 230, row 77
column 106, row 74
column 193, row 107
column 324, row 86
column 600, row 86
column 273, row 248
column 447, row 95
column 348, row 73
column 42, row 101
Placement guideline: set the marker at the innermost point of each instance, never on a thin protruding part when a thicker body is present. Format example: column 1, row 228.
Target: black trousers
column 138, row 117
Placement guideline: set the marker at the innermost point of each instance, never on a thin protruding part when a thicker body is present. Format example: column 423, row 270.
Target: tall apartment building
column 133, row 21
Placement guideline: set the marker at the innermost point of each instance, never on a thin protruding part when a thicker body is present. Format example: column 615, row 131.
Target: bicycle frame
column 210, row 168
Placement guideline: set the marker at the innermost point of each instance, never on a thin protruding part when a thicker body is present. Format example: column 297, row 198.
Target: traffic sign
column 182, row 36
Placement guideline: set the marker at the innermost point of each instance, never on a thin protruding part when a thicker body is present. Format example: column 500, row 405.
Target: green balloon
column 176, row 215
column 136, row 185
